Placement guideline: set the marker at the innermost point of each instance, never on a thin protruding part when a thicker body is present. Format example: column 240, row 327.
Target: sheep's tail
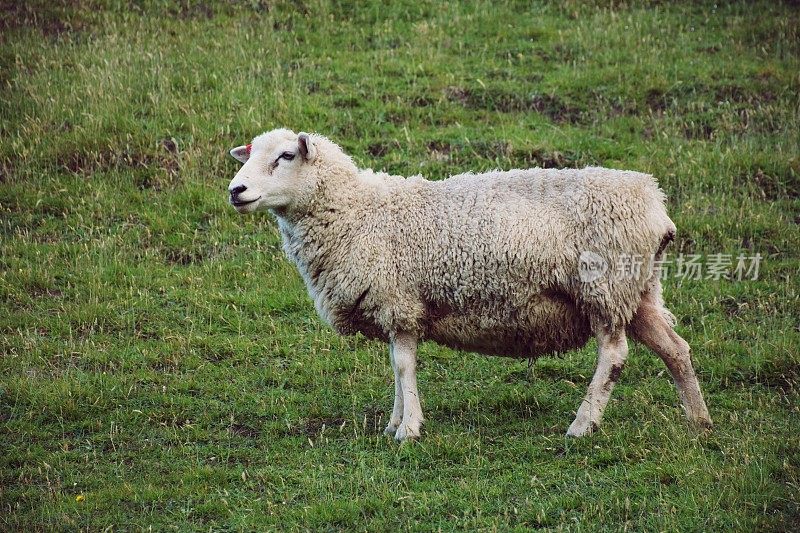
column 654, row 283
column 668, row 237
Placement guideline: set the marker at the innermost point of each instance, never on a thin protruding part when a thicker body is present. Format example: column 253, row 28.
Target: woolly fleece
column 484, row 262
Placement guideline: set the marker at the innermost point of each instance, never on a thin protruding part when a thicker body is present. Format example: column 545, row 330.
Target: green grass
column 160, row 358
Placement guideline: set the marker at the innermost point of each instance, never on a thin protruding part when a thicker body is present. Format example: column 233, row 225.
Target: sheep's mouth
column 236, row 203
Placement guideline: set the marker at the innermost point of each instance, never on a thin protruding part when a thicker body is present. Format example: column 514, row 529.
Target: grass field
column 162, row 366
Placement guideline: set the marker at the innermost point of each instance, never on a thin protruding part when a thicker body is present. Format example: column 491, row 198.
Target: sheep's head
column 275, row 173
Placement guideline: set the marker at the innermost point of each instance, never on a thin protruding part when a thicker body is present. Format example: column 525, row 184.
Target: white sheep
column 520, row 263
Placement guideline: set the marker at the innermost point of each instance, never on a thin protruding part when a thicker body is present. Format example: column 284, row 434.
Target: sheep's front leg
column 404, row 356
column 612, row 350
column 397, row 410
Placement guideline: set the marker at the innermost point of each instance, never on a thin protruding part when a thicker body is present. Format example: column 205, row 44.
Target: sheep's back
column 503, row 239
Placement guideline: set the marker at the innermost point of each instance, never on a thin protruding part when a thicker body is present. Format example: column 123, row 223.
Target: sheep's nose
column 238, row 190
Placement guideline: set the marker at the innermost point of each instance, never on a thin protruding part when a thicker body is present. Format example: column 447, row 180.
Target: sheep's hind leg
column 404, row 353
column 650, row 327
column 612, row 350
column 397, row 410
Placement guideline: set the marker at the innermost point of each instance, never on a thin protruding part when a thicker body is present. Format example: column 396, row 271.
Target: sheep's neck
column 311, row 235
column 311, row 243
column 331, row 197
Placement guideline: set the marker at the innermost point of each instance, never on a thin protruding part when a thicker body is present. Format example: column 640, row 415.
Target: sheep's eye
column 287, row 156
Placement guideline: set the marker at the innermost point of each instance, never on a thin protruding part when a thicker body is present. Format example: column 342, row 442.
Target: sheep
column 522, row 263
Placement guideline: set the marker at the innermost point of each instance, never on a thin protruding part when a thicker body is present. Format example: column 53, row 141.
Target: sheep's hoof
column 580, row 428
column 702, row 425
column 391, row 429
column 407, row 432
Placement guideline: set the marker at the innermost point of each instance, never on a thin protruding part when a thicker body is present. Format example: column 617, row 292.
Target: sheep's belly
column 545, row 326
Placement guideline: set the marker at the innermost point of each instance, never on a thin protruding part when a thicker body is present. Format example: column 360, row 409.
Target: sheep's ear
column 241, row 153
column 306, row 146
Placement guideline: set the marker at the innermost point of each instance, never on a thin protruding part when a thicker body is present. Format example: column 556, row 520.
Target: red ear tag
column 249, row 147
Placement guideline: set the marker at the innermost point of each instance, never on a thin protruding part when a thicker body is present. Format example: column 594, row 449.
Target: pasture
column 161, row 364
